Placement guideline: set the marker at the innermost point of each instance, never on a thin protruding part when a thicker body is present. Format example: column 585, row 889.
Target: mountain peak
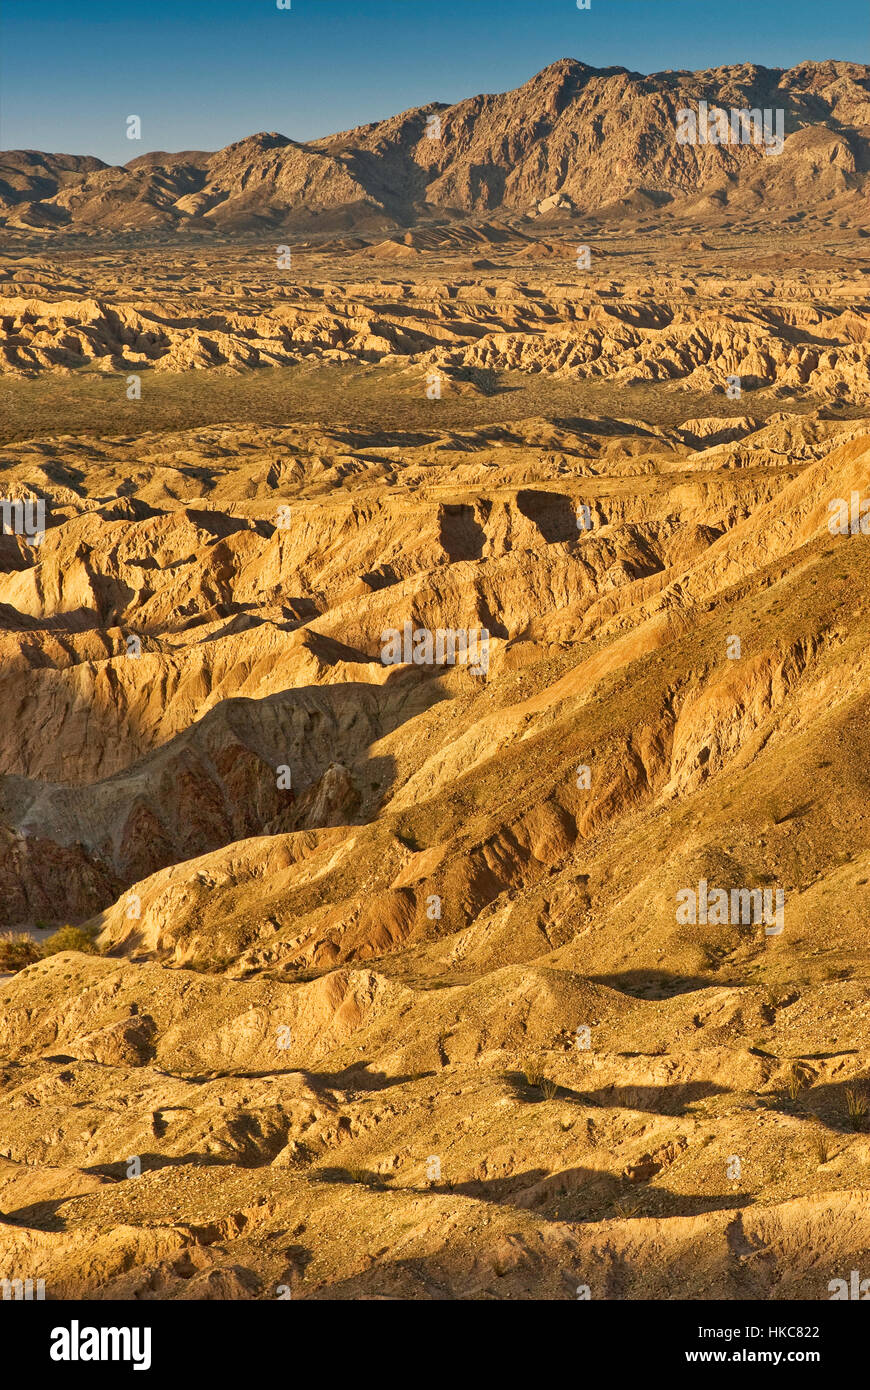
column 255, row 144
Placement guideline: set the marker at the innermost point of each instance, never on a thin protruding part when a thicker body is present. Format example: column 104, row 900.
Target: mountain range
column 575, row 138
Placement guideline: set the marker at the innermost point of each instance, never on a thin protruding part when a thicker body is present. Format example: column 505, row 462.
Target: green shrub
column 70, row 939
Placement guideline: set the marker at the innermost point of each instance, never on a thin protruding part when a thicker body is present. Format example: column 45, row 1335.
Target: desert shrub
column 366, row 1177
column 16, row 951
column 217, row 964
column 856, row 1106
column 70, row 939
column 797, row 1081
column 535, row 1076
column 626, row 1207
column 821, row 1148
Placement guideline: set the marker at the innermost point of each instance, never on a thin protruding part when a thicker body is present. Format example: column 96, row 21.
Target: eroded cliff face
column 422, row 977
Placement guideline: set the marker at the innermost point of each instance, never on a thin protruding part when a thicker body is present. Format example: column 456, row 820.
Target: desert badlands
column 435, row 631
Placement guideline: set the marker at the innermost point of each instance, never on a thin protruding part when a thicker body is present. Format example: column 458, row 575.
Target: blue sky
column 202, row 73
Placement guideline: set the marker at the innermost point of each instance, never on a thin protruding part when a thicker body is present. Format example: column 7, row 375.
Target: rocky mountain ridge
column 593, row 140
